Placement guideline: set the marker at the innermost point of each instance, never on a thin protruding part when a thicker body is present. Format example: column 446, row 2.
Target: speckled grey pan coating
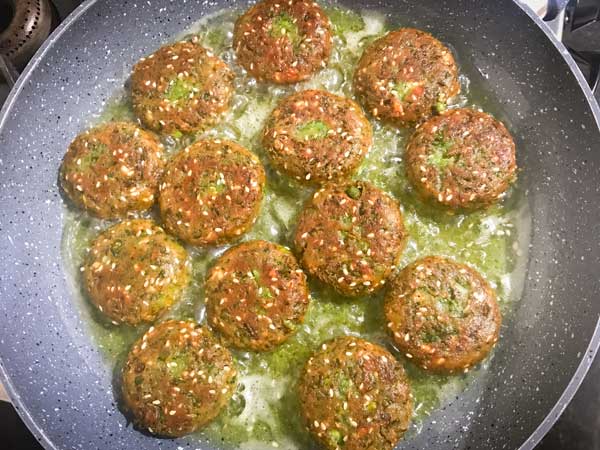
column 54, row 372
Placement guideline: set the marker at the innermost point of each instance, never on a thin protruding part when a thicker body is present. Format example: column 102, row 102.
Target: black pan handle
column 581, row 19
column 555, row 8
column 553, row 13
column 564, row 18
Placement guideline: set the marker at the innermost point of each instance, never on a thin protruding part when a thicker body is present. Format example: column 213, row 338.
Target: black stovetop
column 579, row 426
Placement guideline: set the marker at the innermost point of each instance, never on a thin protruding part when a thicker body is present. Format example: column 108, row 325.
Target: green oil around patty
column 264, row 410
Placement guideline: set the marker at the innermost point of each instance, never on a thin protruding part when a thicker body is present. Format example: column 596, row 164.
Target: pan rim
column 22, row 410
column 586, row 359
column 590, row 353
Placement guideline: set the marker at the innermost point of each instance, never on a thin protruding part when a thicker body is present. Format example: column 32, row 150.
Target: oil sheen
column 263, row 412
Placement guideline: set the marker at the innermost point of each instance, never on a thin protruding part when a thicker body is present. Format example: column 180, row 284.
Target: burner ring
column 29, row 23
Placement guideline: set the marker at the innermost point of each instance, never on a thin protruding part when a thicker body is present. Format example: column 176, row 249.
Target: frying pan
column 55, row 374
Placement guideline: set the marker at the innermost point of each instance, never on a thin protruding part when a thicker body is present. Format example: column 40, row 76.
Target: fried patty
column 315, row 137
column 283, row 41
column 177, row 378
column 256, row 295
column 405, row 77
column 443, row 315
column 461, row 159
column 355, row 396
column 135, row 272
column 211, row 192
column 181, row 88
column 350, row 236
column 113, row 169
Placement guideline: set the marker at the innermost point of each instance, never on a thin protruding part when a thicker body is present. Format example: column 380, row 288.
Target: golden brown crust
column 283, row 41
column 177, row 378
column 461, row 159
column 405, row 77
column 256, row 295
column 113, row 170
column 135, row 272
column 182, row 87
column 443, row 315
column 350, row 236
column 354, row 395
column 316, row 137
column 211, row 192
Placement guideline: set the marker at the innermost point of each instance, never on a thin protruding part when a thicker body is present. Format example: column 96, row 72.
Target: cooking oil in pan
column 264, row 410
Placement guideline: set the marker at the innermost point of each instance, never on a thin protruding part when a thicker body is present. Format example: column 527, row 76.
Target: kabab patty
column 181, row 88
column 134, row 272
column 405, row 77
column 283, row 41
column 113, row 170
column 256, row 295
column 443, row 315
column 461, row 159
column 315, row 136
column 354, row 395
column 211, row 192
column 177, row 378
column 350, row 236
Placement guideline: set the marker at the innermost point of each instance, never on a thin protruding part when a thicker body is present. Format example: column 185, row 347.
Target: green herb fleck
column 285, row 25
column 289, row 324
column 440, row 106
column 436, row 332
column 354, row 192
column 208, row 186
column 177, row 364
column 439, row 156
column 429, row 336
column 371, row 406
column 452, row 306
column 178, row 90
column 315, row 129
column 344, row 384
column 94, row 152
column 265, row 292
column 346, row 221
column 401, row 89
column 335, row 438
column 116, row 247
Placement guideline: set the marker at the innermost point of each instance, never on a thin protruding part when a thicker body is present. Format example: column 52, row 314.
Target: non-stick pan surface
column 55, row 373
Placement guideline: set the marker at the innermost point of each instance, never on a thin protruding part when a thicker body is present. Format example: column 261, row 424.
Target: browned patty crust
column 461, row 159
column 406, row 76
column 350, row 236
column 355, row 396
column 177, row 378
column 256, row 295
column 113, row 169
column 443, row 315
column 182, row 87
column 211, row 192
column 283, row 41
column 315, row 136
column 135, row 271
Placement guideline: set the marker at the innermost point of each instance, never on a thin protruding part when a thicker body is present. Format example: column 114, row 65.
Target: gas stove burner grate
column 24, row 26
